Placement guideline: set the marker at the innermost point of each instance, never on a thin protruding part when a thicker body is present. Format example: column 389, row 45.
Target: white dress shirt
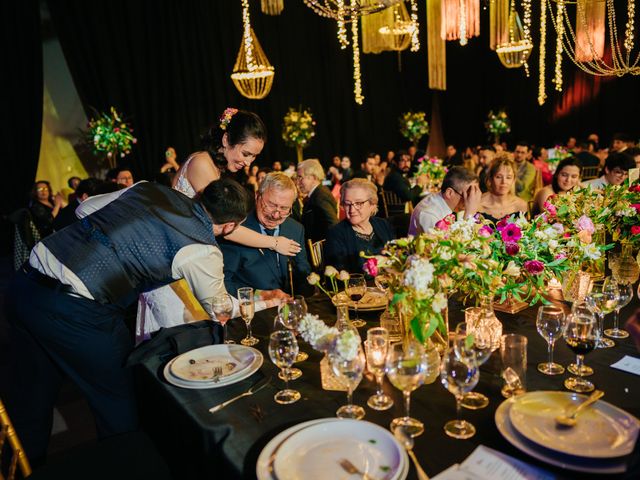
column 596, row 183
column 427, row 213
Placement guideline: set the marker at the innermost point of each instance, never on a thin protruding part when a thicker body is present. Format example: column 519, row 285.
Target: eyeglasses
column 620, row 172
column 456, row 191
column 271, row 208
column 357, row 205
column 42, row 189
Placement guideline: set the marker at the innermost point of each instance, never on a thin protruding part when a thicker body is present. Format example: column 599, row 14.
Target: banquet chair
column 589, row 173
column 393, row 205
column 18, row 456
column 316, row 252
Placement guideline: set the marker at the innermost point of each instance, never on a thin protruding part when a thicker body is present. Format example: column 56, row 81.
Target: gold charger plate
column 372, row 300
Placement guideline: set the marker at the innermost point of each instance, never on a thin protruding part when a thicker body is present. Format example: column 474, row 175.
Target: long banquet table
column 201, row 445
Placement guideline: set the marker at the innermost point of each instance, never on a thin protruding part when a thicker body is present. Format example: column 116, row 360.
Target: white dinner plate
column 198, row 365
column 224, row 382
column 552, row 457
column 372, row 300
column 602, row 431
column 272, row 462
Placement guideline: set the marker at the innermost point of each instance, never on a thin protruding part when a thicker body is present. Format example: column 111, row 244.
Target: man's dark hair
column 488, row 147
column 585, row 144
column 370, row 155
column 633, row 151
column 70, row 181
column 623, row 137
column 108, row 187
column 112, row 173
column 619, row 160
column 523, row 143
column 456, row 176
column 89, row 186
column 226, row 201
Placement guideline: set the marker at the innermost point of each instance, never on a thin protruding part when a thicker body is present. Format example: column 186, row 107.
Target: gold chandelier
column 252, row 73
column 272, row 7
column 337, row 9
column 515, row 52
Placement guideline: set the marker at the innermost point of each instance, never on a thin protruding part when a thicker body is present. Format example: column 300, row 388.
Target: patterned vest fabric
column 128, row 246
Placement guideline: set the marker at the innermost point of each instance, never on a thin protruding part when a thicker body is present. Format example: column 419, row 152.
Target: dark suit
column 262, row 268
column 319, row 213
column 397, row 183
column 66, row 216
column 343, row 248
column 587, row 159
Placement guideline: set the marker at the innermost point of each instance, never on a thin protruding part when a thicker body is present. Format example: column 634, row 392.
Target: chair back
column 316, row 251
column 392, row 204
column 18, row 457
column 537, row 183
column 589, row 173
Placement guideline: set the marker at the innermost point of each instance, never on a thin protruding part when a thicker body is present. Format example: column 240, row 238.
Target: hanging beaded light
column 515, row 52
column 272, row 7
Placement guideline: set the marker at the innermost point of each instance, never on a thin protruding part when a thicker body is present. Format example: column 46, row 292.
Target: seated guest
column 540, row 162
column 485, row 157
column 396, row 180
column 525, row 171
column 124, row 177
column 346, row 172
column 320, row 209
column 459, row 191
column 44, row 207
column 369, row 168
column 453, row 157
column 635, row 153
column 499, row 201
column 360, row 231
column 584, row 152
column 85, row 189
column 616, row 171
column 566, row 177
column 265, row 269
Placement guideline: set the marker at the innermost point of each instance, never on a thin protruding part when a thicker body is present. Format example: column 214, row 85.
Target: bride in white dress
column 230, row 145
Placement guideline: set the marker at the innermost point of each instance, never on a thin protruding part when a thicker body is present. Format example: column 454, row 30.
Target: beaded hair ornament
column 225, row 118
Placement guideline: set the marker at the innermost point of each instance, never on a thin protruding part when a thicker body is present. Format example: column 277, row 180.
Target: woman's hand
column 58, row 200
column 286, row 246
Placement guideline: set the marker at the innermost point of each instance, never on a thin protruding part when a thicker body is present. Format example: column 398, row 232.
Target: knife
column 257, row 386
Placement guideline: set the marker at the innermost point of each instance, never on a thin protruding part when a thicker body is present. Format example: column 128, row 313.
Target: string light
column 357, row 80
column 628, row 38
column 560, row 30
column 542, row 93
column 415, row 41
column 342, row 31
column 248, row 41
column 463, row 22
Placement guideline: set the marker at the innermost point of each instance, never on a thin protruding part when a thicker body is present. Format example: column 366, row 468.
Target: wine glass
column 581, row 335
column 550, row 323
column 283, row 348
column 476, row 342
column 289, row 315
column 356, row 288
column 383, row 283
column 625, row 294
column 302, row 356
column 247, row 311
column 603, row 298
column 222, row 306
column 350, row 372
column 459, row 374
column 407, row 368
column 376, row 348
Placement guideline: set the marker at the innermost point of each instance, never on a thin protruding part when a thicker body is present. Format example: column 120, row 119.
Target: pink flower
column 485, row 231
column 558, row 227
column 636, row 206
column 635, row 230
column 534, row 267
column 501, row 224
column 585, row 223
column 560, row 256
column 370, row 267
column 551, row 208
column 512, row 248
column 511, row 233
column 442, row 225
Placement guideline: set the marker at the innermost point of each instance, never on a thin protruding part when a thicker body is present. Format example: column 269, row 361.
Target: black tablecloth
column 201, row 445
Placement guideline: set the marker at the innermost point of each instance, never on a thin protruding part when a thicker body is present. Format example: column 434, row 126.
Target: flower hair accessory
column 225, row 118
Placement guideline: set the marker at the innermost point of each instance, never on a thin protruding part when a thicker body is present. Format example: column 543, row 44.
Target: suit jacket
column 587, row 159
column 397, row 183
column 319, row 213
column 342, row 249
column 66, row 216
column 265, row 269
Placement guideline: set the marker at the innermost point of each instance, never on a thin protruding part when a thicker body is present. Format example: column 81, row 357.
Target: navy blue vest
column 128, row 246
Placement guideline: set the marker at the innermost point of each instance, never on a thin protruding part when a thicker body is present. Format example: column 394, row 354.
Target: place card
column 628, row 364
column 485, row 463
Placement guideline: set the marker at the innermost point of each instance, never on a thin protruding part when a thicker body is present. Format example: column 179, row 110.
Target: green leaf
column 468, row 342
column 416, row 328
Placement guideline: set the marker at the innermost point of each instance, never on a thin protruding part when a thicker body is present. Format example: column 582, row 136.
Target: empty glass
column 459, row 374
column 603, row 298
column 356, row 289
column 550, row 323
column 350, row 372
column 625, row 294
column 407, row 369
column 283, row 348
column 222, row 306
column 513, row 352
column 247, row 311
column 581, row 335
column 289, row 315
column 376, row 348
column 474, row 342
column 302, row 356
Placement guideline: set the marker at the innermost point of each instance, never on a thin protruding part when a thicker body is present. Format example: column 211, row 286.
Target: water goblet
column 603, row 298
column 581, row 335
column 289, row 316
column 475, row 342
column 376, row 348
column 407, row 368
column 350, row 372
column 550, row 323
column 222, row 306
column 283, row 348
column 356, row 289
column 625, row 294
column 459, row 374
column 302, row 356
column 247, row 311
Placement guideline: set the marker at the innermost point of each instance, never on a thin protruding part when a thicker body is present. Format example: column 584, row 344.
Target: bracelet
column 275, row 247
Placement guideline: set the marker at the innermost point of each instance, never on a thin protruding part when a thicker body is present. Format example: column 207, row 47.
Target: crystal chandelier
column 515, row 52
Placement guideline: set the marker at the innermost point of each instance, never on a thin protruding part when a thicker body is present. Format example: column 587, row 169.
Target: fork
column 217, row 373
column 351, row 469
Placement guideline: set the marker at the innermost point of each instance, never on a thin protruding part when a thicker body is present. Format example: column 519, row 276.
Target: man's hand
column 273, row 294
column 472, row 196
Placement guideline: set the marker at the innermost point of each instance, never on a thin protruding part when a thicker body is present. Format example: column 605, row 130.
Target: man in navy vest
column 66, row 305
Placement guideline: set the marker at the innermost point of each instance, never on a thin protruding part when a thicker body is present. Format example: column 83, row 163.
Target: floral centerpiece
column 413, row 126
column 625, row 204
column 108, row 133
column 497, row 124
column 298, row 129
column 433, row 168
column 329, row 339
column 556, row 155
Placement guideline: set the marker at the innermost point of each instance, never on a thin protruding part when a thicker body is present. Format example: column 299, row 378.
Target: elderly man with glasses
column 265, row 269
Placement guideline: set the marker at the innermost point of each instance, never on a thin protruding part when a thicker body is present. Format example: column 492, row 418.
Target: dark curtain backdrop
column 21, row 105
column 166, row 64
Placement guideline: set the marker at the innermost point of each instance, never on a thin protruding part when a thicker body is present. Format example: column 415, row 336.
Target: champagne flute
column 407, row 368
column 376, row 348
column 302, row 356
column 603, row 298
column 625, row 294
column 247, row 311
column 222, row 306
column 289, row 315
column 581, row 335
column 459, row 374
column 350, row 371
column 473, row 341
column 356, row 288
column 283, row 348
column 550, row 323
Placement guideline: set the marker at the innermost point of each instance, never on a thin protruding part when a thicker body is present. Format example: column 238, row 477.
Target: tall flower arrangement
column 298, row 129
column 413, row 126
column 556, row 155
column 497, row 124
column 433, row 168
column 108, row 133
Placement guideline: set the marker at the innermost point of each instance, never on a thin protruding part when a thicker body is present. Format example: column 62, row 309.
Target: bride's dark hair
column 239, row 127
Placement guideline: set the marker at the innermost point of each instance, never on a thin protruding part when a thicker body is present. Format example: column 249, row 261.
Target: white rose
column 439, row 302
column 330, row 271
column 313, row 279
column 512, row 269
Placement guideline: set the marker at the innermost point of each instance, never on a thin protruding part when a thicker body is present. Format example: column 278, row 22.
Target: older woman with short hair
column 360, row 231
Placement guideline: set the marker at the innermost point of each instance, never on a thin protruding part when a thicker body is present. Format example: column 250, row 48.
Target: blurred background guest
column 616, row 171
column 44, row 207
column 320, row 209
